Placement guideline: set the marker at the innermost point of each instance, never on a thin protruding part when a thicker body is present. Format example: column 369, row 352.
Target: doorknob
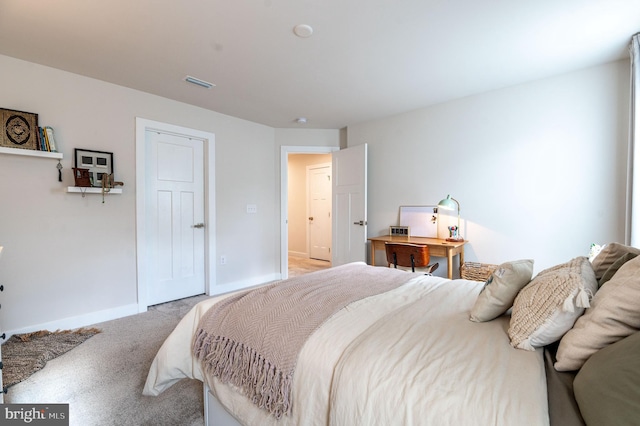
column 311, row 218
column 361, row 223
column 198, row 225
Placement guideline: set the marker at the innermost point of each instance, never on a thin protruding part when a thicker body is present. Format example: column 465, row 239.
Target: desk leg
column 373, row 253
column 449, row 263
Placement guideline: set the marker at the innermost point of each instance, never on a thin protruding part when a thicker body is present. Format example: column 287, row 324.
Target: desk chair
column 409, row 255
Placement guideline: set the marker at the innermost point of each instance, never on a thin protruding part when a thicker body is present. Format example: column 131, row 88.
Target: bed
column 428, row 351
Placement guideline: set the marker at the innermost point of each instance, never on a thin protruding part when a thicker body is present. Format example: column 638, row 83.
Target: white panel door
column 349, row 205
column 175, row 217
column 319, row 178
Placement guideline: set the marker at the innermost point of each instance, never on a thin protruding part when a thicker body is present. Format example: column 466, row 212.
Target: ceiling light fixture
column 301, row 120
column 198, row 82
column 303, row 30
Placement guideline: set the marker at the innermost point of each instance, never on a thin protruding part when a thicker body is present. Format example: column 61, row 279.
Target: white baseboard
column 132, row 309
column 80, row 320
column 242, row 284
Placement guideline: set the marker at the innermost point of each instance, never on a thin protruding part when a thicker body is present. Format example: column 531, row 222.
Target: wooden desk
column 437, row 248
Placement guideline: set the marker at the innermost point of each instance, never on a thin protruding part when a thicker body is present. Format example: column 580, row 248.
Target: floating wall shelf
column 31, row 153
column 91, row 190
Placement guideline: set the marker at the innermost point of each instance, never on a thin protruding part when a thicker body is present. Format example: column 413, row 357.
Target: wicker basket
column 476, row 271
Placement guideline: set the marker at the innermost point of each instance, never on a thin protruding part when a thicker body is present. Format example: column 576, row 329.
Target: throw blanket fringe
column 252, row 339
column 232, row 362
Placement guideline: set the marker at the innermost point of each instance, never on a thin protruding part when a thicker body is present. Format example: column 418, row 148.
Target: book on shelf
column 42, row 140
column 46, row 140
column 38, row 140
column 48, row 131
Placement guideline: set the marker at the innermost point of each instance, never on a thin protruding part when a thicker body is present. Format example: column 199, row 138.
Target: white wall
column 539, row 168
column 557, row 147
column 73, row 258
column 307, row 137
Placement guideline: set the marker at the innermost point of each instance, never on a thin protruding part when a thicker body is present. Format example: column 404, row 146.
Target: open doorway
column 309, row 212
column 305, row 242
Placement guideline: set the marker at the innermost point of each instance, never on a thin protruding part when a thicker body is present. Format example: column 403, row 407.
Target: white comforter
column 407, row 357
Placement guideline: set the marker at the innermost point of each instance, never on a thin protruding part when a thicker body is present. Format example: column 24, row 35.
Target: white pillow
column 550, row 304
column 501, row 289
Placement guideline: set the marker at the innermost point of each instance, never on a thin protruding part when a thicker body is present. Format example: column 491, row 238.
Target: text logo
column 35, row 414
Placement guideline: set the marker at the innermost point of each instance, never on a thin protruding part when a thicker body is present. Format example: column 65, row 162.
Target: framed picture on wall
column 19, row 129
column 99, row 163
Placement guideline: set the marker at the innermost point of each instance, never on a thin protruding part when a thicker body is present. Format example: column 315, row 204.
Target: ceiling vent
column 198, row 82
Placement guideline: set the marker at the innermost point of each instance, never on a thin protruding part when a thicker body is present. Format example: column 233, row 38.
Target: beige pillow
column 614, row 315
column 608, row 255
column 614, row 268
column 550, row 304
column 501, row 289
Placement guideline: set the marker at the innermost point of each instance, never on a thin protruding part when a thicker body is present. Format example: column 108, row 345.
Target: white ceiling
column 366, row 59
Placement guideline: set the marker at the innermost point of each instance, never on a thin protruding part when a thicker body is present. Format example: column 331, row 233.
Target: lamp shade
column 448, row 203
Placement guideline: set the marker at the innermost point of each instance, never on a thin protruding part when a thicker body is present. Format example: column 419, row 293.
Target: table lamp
column 450, row 203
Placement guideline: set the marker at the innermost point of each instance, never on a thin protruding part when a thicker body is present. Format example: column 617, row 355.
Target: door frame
column 284, row 197
column 142, row 125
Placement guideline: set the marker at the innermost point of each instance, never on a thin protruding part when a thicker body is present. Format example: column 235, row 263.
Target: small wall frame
column 399, row 231
column 99, row 163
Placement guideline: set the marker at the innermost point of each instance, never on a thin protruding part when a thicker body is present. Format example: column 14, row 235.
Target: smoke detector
column 303, row 30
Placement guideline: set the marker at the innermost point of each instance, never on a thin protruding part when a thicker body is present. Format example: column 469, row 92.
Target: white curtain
column 633, row 193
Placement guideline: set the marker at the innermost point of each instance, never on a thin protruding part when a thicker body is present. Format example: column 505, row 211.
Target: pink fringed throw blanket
column 252, row 339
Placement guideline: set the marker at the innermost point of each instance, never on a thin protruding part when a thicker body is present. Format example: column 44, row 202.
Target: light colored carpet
column 102, row 379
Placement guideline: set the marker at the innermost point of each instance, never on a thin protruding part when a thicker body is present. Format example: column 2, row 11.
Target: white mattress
column 409, row 356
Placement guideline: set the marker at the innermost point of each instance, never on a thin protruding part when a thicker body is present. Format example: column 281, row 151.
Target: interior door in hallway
column 175, row 217
column 319, row 178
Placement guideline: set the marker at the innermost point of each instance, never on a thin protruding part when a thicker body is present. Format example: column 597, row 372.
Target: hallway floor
column 301, row 265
